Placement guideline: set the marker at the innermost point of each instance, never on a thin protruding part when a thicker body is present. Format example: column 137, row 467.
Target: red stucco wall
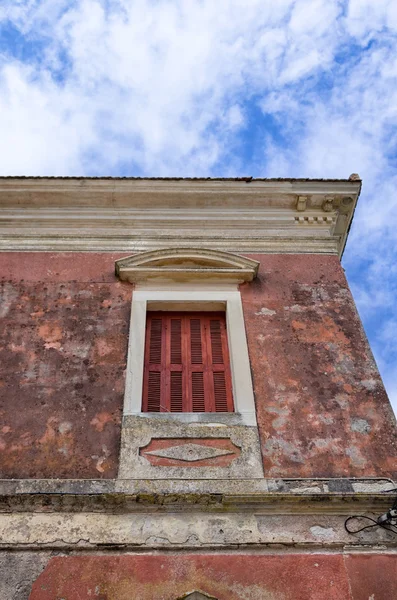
column 63, row 347
column 226, row 577
column 321, row 406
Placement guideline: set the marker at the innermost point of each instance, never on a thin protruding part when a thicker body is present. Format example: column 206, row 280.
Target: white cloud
column 165, row 88
column 161, row 74
column 365, row 18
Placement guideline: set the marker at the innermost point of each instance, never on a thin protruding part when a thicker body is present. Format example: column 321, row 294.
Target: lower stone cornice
column 265, row 495
column 181, row 515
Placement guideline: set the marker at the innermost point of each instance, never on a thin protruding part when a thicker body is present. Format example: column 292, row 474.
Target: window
column 145, row 302
column 188, row 280
column 186, row 364
column 188, row 400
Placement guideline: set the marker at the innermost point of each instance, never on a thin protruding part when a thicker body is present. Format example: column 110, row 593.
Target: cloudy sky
column 267, row 88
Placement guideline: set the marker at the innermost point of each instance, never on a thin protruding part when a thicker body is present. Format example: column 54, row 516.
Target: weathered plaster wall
column 18, row 571
column 63, row 344
column 225, row 577
column 322, row 409
column 321, row 405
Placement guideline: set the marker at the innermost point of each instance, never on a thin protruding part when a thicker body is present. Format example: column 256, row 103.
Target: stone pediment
column 186, row 264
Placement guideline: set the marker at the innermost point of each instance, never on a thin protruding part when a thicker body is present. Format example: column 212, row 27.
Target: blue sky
column 286, row 88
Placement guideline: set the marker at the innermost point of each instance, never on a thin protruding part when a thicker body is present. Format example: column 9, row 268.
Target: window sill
column 214, row 419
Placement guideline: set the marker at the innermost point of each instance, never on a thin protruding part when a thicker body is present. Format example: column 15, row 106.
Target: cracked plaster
column 183, row 530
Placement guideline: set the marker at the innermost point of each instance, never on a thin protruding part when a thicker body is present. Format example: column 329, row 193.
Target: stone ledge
column 267, row 495
column 182, row 530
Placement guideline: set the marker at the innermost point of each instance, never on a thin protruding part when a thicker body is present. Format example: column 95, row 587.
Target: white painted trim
column 239, row 360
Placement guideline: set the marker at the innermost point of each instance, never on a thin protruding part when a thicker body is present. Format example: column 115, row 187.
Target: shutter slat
column 216, row 342
column 176, row 341
column 176, row 392
column 198, row 398
column 220, row 392
column 195, row 342
column 156, row 330
column 154, row 391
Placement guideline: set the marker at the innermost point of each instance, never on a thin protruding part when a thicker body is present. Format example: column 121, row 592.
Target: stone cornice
column 132, row 215
column 323, row 495
column 181, row 515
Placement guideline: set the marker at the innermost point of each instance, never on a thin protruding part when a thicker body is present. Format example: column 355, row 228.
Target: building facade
column 190, row 408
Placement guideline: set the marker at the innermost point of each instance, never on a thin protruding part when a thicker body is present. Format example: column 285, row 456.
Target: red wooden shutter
column 154, row 350
column 187, row 366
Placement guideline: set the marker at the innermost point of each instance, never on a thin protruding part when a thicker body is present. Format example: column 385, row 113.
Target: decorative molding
column 301, row 203
column 134, row 243
column 186, row 264
column 315, row 219
column 179, row 514
column 190, row 452
column 140, row 434
column 196, row 595
column 189, row 514
column 145, row 215
column 326, row 494
column 328, row 204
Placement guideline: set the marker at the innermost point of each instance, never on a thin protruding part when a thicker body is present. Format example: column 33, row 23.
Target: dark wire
column 374, row 524
column 386, row 525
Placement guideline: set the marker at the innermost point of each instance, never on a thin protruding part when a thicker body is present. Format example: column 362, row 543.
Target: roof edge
column 248, row 179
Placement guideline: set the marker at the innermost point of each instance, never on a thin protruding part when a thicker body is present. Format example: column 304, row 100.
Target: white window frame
column 192, row 299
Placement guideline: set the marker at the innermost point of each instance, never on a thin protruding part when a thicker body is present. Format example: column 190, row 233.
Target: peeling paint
column 370, row 384
column 357, row 458
column 316, row 348
column 326, row 533
column 266, row 311
column 65, row 427
column 360, row 425
column 8, row 295
column 294, row 308
column 63, row 359
column 225, row 577
column 62, row 367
